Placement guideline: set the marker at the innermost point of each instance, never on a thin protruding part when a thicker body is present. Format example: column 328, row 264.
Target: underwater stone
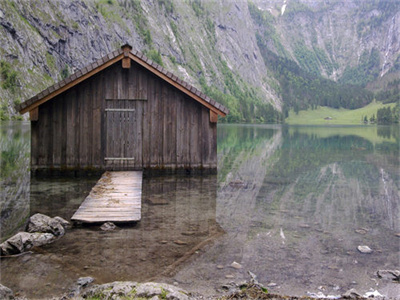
column 108, row 226
column 23, row 241
column 236, row 265
column 6, row 293
column 364, row 249
column 389, row 274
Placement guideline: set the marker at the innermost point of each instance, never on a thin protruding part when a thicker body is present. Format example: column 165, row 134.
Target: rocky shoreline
column 41, row 230
column 85, row 289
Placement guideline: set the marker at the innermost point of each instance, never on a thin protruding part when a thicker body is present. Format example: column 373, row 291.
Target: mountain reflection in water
column 296, row 202
column 290, row 204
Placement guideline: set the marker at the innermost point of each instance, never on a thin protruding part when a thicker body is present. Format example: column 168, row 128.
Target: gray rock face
column 43, row 223
column 46, row 39
column 23, row 241
column 6, row 293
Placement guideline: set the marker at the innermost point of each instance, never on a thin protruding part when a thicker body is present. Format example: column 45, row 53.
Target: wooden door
column 121, row 134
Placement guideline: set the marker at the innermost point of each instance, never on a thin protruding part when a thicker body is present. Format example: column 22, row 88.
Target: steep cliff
column 338, row 35
column 218, row 46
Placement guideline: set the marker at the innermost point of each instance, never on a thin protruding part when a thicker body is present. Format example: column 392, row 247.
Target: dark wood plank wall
column 167, row 129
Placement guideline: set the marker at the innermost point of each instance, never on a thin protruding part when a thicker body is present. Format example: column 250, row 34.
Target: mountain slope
column 218, row 46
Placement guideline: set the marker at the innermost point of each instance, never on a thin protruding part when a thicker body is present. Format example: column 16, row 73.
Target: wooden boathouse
column 123, row 112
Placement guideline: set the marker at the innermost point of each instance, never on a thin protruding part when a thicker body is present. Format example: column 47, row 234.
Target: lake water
column 289, row 204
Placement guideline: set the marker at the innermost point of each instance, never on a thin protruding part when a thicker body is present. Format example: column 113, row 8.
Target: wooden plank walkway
column 116, row 197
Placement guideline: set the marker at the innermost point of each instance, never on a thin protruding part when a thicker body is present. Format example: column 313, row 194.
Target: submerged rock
column 180, row 242
column 236, row 265
column 80, row 284
column 108, row 226
column 364, row 249
column 389, row 274
column 351, row 294
column 62, row 221
column 41, row 230
column 372, row 293
column 84, row 281
column 42, row 223
column 23, row 241
column 6, row 293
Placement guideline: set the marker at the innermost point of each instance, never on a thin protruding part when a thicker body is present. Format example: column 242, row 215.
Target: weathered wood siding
column 123, row 119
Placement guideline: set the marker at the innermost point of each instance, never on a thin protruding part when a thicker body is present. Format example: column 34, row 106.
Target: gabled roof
column 110, row 59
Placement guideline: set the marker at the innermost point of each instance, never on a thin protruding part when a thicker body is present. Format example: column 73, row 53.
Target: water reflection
column 290, row 204
column 14, row 176
column 178, row 220
column 297, row 202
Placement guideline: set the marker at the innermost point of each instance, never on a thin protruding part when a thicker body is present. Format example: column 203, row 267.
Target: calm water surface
column 290, row 204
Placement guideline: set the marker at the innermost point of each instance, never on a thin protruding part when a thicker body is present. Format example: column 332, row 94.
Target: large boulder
column 23, row 241
column 41, row 230
column 42, row 223
column 6, row 293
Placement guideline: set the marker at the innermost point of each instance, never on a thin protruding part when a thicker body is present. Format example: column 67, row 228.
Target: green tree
column 372, row 119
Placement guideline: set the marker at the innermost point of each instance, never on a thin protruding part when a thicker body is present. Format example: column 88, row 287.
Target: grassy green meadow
column 338, row 116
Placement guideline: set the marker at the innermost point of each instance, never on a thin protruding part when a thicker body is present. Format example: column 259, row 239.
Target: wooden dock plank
column 116, row 197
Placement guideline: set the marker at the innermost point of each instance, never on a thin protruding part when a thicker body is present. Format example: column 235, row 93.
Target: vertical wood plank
column 167, row 128
column 96, row 143
column 103, row 125
column 41, row 135
column 139, row 121
column 70, row 124
column 146, row 119
column 213, row 145
column 205, row 137
column 180, row 133
column 143, row 87
column 173, row 127
column 56, row 134
column 64, row 131
column 139, row 135
column 120, row 115
column 186, row 132
column 84, row 125
column 89, row 133
column 194, row 134
column 49, row 136
column 160, row 118
column 109, row 94
column 35, row 142
column 154, row 142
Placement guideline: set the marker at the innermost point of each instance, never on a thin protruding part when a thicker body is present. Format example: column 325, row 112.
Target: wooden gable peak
column 126, row 54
